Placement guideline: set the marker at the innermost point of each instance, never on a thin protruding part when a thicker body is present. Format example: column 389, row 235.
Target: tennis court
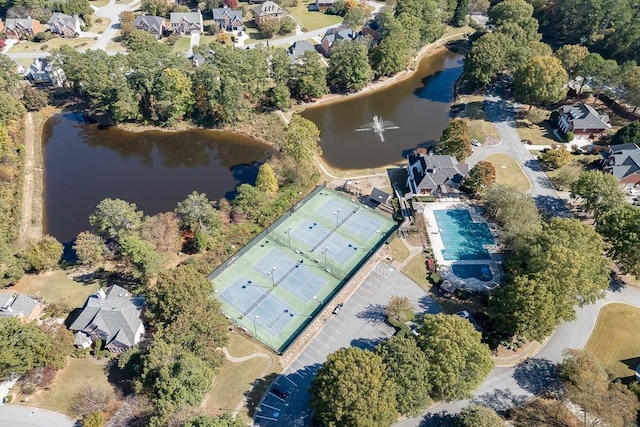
column 276, row 284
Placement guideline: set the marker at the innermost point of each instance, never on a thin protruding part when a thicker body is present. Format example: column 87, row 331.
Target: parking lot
column 360, row 323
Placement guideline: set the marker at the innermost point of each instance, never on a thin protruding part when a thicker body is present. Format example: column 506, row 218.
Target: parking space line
column 272, row 407
column 266, row 418
column 286, row 378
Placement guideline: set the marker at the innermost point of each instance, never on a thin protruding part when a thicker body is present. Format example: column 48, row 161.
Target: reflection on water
column 419, row 106
column 153, row 169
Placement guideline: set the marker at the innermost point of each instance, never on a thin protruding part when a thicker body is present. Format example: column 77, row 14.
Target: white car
column 464, row 314
column 475, row 143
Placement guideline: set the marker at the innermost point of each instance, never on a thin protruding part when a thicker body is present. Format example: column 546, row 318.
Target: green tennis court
column 274, row 286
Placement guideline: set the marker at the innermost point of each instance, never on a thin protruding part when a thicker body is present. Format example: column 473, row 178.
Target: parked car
column 282, row 394
column 337, row 309
column 464, row 314
column 475, row 143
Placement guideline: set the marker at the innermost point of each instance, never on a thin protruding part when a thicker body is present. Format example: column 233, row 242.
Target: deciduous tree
column 598, row 191
column 477, row 415
column 115, row 218
column 455, row 140
column 571, row 56
column 555, row 157
column 198, row 214
column 349, row 69
column 355, row 17
column 629, row 134
column 480, row 178
column 163, row 231
column 510, row 11
column 620, row 226
column 42, row 254
column 93, row 398
column 350, row 383
column 89, row 248
column 267, row 181
column 226, row 420
column 515, row 211
column 487, row 56
column 398, row 307
column 126, row 23
column 541, row 80
column 23, row 346
column 301, row 140
column 458, row 360
column 146, row 260
column 309, row 78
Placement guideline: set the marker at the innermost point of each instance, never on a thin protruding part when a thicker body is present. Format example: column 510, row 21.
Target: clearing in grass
column 312, row 20
column 509, row 172
column 56, row 287
column 416, row 270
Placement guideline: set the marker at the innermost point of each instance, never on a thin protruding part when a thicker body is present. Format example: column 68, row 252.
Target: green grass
column 72, row 379
column 98, row 27
column 509, row 172
column 99, row 3
column 312, row 20
column 182, row 45
column 398, row 250
column 55, row 43
column 614, row 340
column 115, row 44
column 56, row 286
column 483, row 131
column 564, row 176
column 416, row 270
column 541, row 134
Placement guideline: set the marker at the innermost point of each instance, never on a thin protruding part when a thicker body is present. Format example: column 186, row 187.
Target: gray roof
column 623, row 160
column 584, row 116
column 19, row 22
column 14, row 304
column 297, row 49
column 267, row 8
column 114, row 313
column 439, row 173
column 80, row 338
column 190, row 17
column 220, row 13
column 379, row 196
column 68, row 20
column 344, row 34
column 155, row 22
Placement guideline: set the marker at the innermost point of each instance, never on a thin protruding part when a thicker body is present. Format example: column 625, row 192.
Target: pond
column 419, row 106
column 154, row 169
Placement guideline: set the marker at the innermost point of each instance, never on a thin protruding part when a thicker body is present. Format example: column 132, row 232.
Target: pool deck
column 494, row 263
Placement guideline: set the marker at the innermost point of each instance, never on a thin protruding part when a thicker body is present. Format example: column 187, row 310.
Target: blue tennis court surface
column 463, row 239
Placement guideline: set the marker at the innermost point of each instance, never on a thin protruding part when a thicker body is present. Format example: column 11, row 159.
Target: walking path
column 30, row 226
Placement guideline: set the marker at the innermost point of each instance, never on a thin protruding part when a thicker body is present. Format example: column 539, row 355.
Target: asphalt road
column 25, row 416
column 360, row 323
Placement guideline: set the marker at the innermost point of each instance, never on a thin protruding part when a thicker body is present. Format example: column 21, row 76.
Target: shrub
column 553, row 118
column 172, row 39
column 435, row 278
column 9, row 398
column 94, row 419
column 42, row 36
column 568, row 137
column 44, row 47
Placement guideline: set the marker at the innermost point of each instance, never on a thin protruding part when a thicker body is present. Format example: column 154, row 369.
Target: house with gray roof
column 22, row 28
column 65, row 25
column 42, row 72
column 336, row 35
column 623, row 162
column 186, row 22
column 113, row 316
column 25, row 308
column 154, row 25
column 582, row 120
column 434, row 175
column 297, row 49
column 265, row 11
column 228, row 19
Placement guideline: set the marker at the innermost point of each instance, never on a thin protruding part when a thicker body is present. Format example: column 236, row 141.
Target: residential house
column 582, row 120
column 42, row 73
column 297, row 49
column 323, row 5
column 18, row 28
column 435, row 175
column 623, row 162
column 265, row 11
column 372, row 29
column 334, row 35
column 65, row 25
column 154, row 25
column 186, row 22
column 378, row 196
column 228, row 19
column 25, row 308
column 113, row 316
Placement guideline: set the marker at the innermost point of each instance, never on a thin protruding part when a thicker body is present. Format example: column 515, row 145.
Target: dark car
column 282, row 394
column 337, row 309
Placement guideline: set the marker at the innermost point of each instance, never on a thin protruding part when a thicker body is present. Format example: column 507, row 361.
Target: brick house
column 186, row 22
column 19, row 28
column 154, row 25
column 265, row 11
column 65, row 25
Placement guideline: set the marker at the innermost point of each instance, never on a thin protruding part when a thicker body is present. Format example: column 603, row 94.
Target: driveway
column 112, row 12
column 360, row 323
column 25, row 416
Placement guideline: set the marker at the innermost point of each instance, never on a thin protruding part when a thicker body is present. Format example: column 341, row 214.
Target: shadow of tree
column 373, row 313
column 500, row 400
column 616, row 284
column 428, row 305
column 366, row 343
column 440, row 419
column 536, row 375
column 258, row 388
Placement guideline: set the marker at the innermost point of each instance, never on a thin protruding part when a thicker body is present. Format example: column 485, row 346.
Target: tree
column 33, row 99
column 458, row 359
column 186, row 380
column 487, row 56
column 598, row 191
column 514, row 11
column 350, row 383
column 455, row 140
column 349, row 69
column 541, row 80
column 279, row 97
column 42, row 254
column 629, row 134
column 480, row 178
column 399, row 308
column 173, row 96
column 586, row 384
column 571, row 56
column 89, row 248
column 287, row 25
column 115, row 218
column 225, row 420
column 93, row 419
column 542, row 413
column 515, row 212
column 156, row 7
column 267, row 182
column 198, row 214
column 23, row 346
column 126, row 23
column 355, row 18
column 476, row 415
column 301, row 139
column 233, row 4
column 395, row 51
column 555, row 157
column 143, row 255
column 591, row 67
column 460, row 14
column 309, row 78
column 163, row 232
column 93, row 398
column 631, row 86
column 619, row 226
column 408, row 368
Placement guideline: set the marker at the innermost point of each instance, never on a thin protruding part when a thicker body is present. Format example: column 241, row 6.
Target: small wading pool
column 477, row 271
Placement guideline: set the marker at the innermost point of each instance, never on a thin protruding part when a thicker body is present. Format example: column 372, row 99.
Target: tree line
column 41, row 10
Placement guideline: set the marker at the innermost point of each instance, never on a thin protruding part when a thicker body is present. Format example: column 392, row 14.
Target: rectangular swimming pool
column 463, row 239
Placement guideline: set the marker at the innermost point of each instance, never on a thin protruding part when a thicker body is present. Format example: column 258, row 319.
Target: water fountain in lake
column 378, row 126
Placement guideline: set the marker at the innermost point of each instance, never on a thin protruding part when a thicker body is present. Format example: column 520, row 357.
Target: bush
column 94, row 419
column 435, row 278
column 553, row 118
column 9, row 398
column 42, row 37
column 568, row 137
column 172, row 39
column 44, row 47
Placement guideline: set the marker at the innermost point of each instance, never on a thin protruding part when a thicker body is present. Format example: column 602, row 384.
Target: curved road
column 25, row 416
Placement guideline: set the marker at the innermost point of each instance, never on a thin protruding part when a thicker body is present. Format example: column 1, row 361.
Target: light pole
column 325, row 256
column 272, row 274
column 315, row 298
column 289, row 235
column 337, row 214
column 255, row 330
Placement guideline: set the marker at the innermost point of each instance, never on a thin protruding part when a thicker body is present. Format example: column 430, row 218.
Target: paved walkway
column 26, row 416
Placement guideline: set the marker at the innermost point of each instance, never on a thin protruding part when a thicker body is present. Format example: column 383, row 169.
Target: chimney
column 101, row 294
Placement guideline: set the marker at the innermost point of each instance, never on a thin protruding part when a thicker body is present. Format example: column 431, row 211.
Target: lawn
column 183, row 44
column 56, row 286
column 99, row 3
column 398, row 250
column 55, row 43
column 235, row 381
column 483, row 131
column 614, row 340
column 509, row 172
column 416, row 270
column 312, row 20
column 78, row 374
column 115, row 44
column 541, row 134
column 99, row 27
column 564, row 176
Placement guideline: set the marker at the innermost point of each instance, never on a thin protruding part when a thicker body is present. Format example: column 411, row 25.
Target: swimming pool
column 476, row 271
column 463, row 239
